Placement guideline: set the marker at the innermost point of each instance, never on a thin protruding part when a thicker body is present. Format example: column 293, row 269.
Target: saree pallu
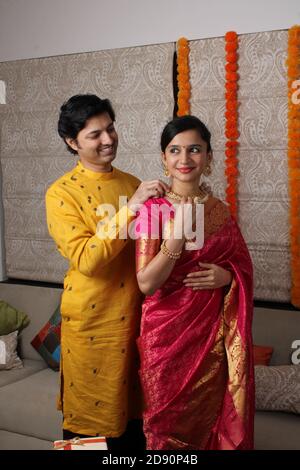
column 196, row 346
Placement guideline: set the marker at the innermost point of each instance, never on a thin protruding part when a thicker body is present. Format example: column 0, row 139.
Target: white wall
column 41, row 28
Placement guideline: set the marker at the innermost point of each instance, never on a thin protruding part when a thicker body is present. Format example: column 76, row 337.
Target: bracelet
column 170, row 254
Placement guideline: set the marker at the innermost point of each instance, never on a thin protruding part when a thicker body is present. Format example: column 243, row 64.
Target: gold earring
column 166, row 171
column 207, row 170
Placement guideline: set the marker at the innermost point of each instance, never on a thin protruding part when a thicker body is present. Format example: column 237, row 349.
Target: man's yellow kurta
column 100, row 303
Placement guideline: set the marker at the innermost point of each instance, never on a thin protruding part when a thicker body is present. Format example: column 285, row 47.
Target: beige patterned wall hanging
column 139, row 83
column 263, row 183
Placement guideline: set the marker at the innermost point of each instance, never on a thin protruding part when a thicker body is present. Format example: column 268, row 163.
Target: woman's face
column 186, row 156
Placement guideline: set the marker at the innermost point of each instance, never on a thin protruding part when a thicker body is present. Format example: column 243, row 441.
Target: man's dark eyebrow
column 96, row 131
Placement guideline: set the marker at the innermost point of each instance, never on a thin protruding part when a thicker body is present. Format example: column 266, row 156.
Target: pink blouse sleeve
column 153, row 218
column 147, row 234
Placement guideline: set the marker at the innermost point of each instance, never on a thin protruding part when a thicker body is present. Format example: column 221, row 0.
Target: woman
column 195, row 341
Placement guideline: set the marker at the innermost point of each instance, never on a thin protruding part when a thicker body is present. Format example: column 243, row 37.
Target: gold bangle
column 170, row 254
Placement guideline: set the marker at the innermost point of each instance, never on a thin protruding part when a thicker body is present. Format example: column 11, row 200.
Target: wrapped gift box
column 78, row 443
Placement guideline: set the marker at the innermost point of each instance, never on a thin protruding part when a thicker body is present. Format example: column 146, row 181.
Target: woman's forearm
column 154, row 275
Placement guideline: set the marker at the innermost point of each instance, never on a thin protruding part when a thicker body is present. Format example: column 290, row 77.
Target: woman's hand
column 212, row 277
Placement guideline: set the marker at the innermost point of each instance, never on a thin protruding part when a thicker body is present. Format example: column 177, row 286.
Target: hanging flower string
column 293, row 72
column 183, row 77
column 231, row 120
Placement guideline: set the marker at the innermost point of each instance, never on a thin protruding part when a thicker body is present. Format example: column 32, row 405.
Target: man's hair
column 75, row 112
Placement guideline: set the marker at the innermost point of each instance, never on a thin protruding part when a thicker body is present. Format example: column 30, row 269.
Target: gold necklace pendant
column 196, row 199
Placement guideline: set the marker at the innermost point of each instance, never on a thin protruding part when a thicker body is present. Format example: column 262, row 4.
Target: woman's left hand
column 212, row 277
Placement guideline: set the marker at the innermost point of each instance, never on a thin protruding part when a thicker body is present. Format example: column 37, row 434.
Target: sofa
column 278, row 328
column 28, row 415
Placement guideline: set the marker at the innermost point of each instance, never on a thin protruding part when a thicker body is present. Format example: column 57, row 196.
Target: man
column 101, row 301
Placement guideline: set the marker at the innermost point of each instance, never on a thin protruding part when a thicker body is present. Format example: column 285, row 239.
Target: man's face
column 96, row 143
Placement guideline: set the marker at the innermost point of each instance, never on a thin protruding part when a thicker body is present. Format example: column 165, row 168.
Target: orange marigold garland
column 231, row 120
column 183, row 77
column 293, row 72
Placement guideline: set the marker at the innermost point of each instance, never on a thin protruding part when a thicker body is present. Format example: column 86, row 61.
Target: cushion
column 28, row 407
column 47, row 341
column 8, row 352
column 262, row 355
column 11, row 319
column 29, row 367
column 277, row 388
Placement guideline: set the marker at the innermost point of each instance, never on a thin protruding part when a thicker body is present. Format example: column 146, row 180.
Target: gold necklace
column 205, row 192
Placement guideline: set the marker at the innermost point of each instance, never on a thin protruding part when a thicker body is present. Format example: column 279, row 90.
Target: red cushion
column 262, row 355
column 47, row 341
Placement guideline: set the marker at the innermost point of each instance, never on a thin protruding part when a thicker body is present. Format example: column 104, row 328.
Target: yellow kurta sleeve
column 86, row 250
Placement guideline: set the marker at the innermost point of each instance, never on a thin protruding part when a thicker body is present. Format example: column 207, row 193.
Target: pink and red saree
column 196, row 346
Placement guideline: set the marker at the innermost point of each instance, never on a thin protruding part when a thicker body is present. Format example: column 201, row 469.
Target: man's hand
column 147, row 189
column 212, row 277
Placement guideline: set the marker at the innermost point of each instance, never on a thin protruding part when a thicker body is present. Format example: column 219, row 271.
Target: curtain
column 263, row 173
column 139, row 83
